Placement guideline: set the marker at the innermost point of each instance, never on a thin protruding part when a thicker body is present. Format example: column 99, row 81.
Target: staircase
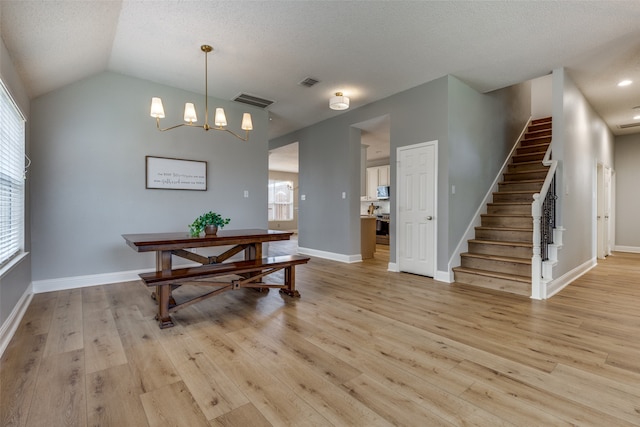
column 499, row 257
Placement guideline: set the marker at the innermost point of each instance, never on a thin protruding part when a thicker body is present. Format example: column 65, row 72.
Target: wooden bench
column 250, row 271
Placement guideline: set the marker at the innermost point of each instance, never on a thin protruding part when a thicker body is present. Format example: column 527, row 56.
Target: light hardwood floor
column 361, row 347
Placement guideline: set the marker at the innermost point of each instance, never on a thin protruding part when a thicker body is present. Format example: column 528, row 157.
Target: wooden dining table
column 182, row 244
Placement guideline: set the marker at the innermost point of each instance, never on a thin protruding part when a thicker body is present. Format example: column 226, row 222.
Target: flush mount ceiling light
column 339, row 102
column 624, row 83
column 219, row 121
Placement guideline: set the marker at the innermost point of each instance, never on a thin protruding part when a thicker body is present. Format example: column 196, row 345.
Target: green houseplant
column 208, row 222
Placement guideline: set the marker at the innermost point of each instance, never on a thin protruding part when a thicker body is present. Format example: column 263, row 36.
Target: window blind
column 11, row 177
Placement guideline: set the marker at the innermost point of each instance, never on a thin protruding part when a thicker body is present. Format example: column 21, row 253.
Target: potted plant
column 208, row 222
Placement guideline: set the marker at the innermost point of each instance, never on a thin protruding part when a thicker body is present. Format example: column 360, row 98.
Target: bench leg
column 164, row 295
column 290, row 282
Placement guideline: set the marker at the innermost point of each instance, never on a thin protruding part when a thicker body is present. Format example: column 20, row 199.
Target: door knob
column 429, row 218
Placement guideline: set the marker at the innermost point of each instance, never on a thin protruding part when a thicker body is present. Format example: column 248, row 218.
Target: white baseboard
column 393, row 267
column 632, row 249
column 556, row 285
column 330, row 255
column 444, row 276
column 10, row 326
column 64, row 283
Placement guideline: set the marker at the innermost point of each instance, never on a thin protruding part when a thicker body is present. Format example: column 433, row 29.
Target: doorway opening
column 283, row 189
column 376, row 189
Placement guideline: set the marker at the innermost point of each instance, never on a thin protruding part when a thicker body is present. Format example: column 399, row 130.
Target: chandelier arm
column 176, row 126
column 246, row 138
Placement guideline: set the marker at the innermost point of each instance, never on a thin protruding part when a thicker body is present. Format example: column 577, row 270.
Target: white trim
column 435, row 144
column 469, row 233
column 330, row 255
column 566, row 279
column 64, row 283
column 631, row 249
column 12, row 263
column 393, row 267
column 443, row 276
column 9, row 327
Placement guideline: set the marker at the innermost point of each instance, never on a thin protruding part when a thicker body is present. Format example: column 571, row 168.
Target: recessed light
column 636, row 117
column 625, row 83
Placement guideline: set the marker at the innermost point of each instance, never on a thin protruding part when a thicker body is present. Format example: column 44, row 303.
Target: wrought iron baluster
column 548, row 220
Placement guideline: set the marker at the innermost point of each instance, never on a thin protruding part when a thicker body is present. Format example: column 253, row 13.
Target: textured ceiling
column 367, row 49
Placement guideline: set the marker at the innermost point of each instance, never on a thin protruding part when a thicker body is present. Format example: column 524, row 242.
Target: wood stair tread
column 524, row 181
column 532, row 192
column 509, row 215
column 527, row 163
column 508, row 203
column 542, row 169
column 501, row 243
column 506, row 276
column 497, row 258
column 493, row 227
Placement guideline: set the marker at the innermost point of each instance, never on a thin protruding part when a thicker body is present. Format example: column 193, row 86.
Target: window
column 11, row 177
column 280, row 200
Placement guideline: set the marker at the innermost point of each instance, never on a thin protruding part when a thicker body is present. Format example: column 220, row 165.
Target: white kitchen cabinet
column 377, row 175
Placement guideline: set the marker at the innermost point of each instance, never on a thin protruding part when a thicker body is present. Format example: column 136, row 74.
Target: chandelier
column 190, row 117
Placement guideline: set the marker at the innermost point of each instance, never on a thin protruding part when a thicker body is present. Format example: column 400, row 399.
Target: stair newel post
column 536, row 260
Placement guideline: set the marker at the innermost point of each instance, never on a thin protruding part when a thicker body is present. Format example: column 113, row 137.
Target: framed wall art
column 175, row 174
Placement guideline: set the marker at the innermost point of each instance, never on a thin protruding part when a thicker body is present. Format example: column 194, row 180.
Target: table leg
column 290, row 282
column 163, row 318
column 163, row 292
column 254, row 251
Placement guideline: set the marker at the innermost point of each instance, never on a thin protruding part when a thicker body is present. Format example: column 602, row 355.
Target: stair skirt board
column 499, row 257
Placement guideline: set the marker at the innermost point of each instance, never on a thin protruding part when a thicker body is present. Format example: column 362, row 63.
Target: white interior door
column 604, row 215
column 600, row 211
column 607, row 211
column 416, row 208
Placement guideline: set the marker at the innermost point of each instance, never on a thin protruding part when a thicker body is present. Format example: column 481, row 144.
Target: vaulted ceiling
column 367, row 49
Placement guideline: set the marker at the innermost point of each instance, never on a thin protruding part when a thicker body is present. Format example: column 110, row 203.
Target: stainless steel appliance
column 382, row 229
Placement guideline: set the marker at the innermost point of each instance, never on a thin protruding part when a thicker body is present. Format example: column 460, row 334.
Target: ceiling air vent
column 253, row 100
column 308, row 82
column 629, row 125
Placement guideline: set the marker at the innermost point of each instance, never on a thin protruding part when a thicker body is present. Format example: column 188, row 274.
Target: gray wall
column 89, row 142
column 581, row 140
column 483, row 129
column 627, row 202
column 474, row 133
column 15, row 282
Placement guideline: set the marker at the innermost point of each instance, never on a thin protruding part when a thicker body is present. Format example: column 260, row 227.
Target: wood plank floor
column 361, row 347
